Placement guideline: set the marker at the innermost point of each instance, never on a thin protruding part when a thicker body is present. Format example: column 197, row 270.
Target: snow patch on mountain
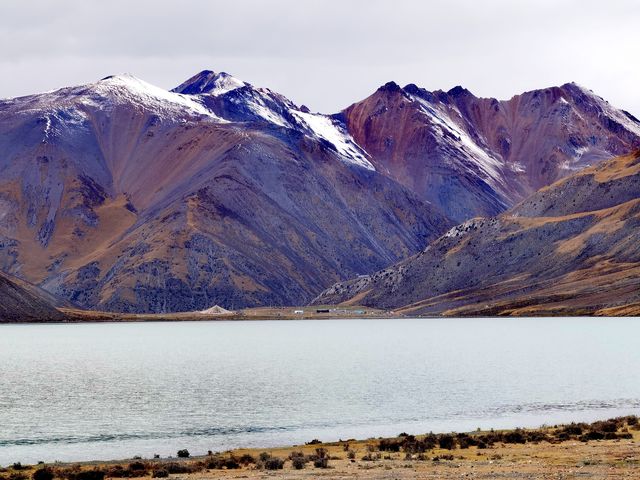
column 488, row 164
column 224, row 84
column 259, row 105
column 47, row 127
column 210, row 83
column 145, row 94
column 326, row 128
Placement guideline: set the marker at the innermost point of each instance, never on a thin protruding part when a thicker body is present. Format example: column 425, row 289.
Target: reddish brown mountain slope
column 478, row 156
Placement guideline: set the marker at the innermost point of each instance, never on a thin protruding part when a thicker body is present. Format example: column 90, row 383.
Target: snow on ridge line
column 152, row 94
column 323, row 126
column 224, row 83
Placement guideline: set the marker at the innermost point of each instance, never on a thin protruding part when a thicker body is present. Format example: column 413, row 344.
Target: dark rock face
column 22, row 302
column 152, row 201
column 570, row 247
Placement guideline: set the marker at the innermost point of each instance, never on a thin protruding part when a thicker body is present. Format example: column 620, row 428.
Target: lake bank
column 601, row 449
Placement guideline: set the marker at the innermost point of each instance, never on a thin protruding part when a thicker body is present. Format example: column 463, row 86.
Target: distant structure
column 215, row 310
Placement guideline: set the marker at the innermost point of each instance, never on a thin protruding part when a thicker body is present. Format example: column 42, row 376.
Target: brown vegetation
column 476, row 450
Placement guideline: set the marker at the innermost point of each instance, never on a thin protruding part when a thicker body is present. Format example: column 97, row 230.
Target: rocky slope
column 569, row 248
column 122, row 196
column 475, row 156
column 22, row 302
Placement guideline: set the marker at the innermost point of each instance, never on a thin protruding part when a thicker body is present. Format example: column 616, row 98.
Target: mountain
column 473, row 156
column 22, row 302
column 122, row 196
column 569, row 248
column 125, row 197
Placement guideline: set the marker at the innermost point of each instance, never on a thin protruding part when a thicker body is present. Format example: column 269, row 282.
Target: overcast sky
column 327, row 53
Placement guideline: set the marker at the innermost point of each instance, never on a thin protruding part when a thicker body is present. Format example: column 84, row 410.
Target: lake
column 109, row 391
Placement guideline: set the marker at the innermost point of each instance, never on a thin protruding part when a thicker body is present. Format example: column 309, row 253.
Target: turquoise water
column 105, row 391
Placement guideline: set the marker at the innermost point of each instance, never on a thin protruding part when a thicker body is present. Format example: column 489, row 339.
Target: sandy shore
column 606, row 449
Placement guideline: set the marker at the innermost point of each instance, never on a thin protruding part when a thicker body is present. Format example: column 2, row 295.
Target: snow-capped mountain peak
column 238, row 101
column 130, row 88
column 209, row 82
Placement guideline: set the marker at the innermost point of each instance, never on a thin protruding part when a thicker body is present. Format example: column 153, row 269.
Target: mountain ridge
column 119, row 195
column 124, row 197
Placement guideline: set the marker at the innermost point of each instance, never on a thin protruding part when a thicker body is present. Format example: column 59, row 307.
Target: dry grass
column 550, row 452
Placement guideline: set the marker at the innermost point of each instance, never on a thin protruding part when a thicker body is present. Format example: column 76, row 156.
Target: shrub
column 591, row 435
column 430, row 441
column 117, row 471
column 321, row 462
column 136, row 469
column 322, row 453
column 231, row 463
column 465, row 441
column 390, row 445
column 184, row 453
column 315, row 441
column 298, row 462
column 351, row 455
column 67, row 472
column 137, row 466
column 94, row 474
column 43, row 474
column 216, row 462
column 176, row 467
column 264, row 456
column 447, row 442
column 274, row 463
column 246, row 459
column 606, row 426
column 160, row 473
column 573, row 429
column 516, row 436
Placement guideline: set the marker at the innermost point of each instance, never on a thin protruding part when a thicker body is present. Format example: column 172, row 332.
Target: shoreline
column 259, row 314
column 589, row 449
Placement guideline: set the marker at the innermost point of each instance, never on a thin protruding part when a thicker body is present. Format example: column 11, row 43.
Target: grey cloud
column 328, row 53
